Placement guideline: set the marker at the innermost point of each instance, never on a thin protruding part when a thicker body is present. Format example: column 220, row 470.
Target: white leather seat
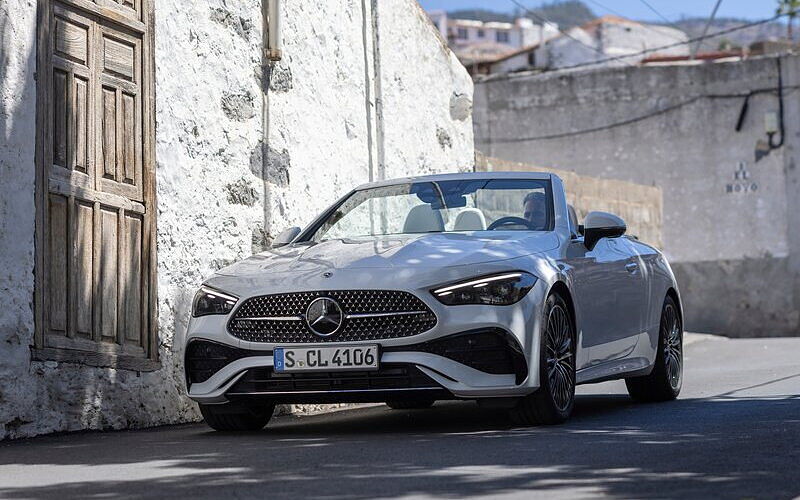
column 470, row 219
column 423, row 219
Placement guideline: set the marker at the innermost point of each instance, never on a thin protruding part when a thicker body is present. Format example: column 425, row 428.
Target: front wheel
column 233, row 417
column 664, row 382
column 552, row 403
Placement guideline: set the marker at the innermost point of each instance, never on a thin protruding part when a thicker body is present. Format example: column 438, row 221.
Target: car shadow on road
column 724, row 446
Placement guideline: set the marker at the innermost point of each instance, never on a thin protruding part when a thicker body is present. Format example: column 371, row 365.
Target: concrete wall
column 640, row 206
column 730, row 204
column 242, row 151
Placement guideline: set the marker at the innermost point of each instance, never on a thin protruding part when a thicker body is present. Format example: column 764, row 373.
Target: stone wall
column 243, row 150
column 640, row 206
column 731, row 203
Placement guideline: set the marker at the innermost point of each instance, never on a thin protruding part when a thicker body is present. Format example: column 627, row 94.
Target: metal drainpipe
column 378, row 80
column 275, row 31
column 271, row 51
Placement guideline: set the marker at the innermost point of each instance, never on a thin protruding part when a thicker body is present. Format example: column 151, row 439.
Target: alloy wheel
column 560, row 357
column 673, row 345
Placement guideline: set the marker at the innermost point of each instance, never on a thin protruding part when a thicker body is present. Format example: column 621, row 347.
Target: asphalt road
column 734, row 433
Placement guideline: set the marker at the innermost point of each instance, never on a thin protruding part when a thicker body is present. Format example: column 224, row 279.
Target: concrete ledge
column 693, row 338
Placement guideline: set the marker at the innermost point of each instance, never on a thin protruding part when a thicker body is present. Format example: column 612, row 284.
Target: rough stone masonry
column 366, row 90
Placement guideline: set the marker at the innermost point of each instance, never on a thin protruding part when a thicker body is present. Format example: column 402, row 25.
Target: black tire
column 237, row 418
column 552, row 403
column 411, row 404
column 664, row 382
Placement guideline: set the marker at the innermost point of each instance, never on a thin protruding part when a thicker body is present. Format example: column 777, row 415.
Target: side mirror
column 599, row 225
column 286, row 237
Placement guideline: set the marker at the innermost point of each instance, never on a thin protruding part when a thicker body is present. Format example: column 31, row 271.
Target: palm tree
column 789, row 8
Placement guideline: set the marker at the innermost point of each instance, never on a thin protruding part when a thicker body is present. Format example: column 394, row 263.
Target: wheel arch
column 562, row 290
column 673, row 293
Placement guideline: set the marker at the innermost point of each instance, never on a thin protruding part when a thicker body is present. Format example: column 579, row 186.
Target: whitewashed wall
column 17, row 181
column 241, row 154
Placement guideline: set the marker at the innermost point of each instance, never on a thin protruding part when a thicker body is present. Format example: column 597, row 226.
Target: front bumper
column 520, row 321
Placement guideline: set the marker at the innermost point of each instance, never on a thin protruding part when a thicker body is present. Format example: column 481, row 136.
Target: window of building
column 502, row 37
column 532, row 58
column 463, row 34
column 481, row 34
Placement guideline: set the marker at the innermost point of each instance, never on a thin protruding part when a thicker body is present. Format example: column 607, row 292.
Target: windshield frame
column 307, row 235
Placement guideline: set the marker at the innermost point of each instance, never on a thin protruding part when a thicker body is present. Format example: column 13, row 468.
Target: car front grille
column 368, row 315
column 388, row 377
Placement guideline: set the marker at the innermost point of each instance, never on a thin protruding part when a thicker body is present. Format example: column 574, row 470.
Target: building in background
column 477, row 41
column 132, row 185
column 605, row 41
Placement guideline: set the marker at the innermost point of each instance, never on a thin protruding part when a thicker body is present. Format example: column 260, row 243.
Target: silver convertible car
column 480, row 286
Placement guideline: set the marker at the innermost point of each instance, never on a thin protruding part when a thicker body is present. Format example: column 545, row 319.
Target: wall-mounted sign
column 742, row 183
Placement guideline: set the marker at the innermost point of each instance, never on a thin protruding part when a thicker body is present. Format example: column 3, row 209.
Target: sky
column 634, row 9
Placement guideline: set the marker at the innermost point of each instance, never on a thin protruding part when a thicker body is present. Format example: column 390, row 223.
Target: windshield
column 445, row 206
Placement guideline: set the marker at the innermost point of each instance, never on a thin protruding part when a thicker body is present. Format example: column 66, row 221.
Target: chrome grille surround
column 368, row 315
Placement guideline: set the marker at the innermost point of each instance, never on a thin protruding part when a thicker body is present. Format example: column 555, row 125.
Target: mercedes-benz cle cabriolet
column 478, row 286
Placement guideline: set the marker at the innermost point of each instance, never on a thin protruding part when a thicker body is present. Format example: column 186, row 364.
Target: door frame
column 43, row 77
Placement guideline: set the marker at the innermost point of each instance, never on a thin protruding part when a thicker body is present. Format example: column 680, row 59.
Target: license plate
column 325, row 359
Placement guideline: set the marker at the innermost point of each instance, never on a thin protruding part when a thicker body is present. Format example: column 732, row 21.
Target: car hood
column 378, row 260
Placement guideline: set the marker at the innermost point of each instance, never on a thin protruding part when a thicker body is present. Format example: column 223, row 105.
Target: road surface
column 734, row 433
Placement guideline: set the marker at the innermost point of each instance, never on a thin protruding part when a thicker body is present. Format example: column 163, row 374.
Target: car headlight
column 497, row 290
column 209, row 301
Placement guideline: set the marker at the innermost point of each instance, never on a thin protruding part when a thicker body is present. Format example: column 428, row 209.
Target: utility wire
column 659, row 14
column 663, row 47
column 640, row 118
column 543, row 19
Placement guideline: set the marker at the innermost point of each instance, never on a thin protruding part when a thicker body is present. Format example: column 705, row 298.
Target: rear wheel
column 410, row 404
column 237, row 417
column 552, row 403
column 664, row 382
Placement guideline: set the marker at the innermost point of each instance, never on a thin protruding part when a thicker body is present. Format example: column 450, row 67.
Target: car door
column 635, row 294
column 605, row 290
column 594, row 280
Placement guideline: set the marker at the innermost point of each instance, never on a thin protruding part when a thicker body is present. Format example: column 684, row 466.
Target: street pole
column 705, row 31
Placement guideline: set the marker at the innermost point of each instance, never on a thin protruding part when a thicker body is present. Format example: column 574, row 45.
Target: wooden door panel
column 109, row 226
column 83, row 262
column 71, row 33
column 57, row 284
column 60, row 130
column 127, row 8
column 108, row 133
column 121, row 113
column 119, row 56
column 132, row 286
column 96, row 223
column 79, row 123
column 71, row 98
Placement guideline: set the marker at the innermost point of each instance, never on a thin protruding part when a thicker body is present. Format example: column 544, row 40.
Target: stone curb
column 693, row 338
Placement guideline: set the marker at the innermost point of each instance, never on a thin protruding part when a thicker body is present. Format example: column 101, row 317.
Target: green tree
column 789, row 8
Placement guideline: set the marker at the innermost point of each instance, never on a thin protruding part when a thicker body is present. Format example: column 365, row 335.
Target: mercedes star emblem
column 324, row 316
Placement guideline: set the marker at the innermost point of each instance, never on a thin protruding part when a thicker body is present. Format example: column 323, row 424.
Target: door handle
column 632, row 267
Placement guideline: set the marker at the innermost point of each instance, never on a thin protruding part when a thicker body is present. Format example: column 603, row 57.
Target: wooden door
column 95, row 291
